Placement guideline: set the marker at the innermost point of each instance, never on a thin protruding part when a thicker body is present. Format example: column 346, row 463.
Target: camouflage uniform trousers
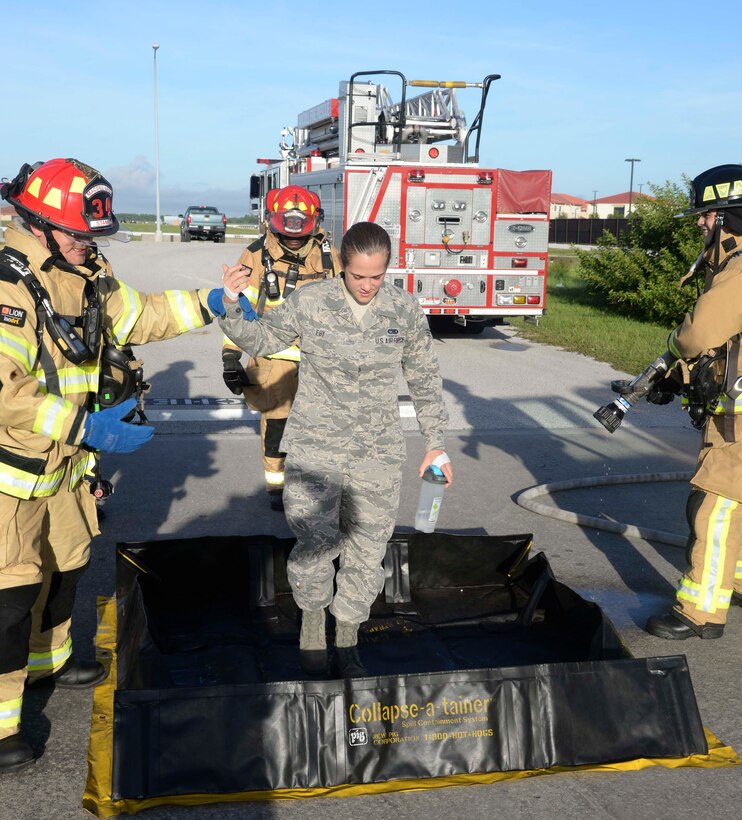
column 346, row 513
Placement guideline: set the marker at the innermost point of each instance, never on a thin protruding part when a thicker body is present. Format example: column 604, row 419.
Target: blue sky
column 584, row 85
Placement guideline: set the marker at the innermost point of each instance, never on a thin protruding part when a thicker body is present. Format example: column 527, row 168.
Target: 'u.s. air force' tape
column 440, row 460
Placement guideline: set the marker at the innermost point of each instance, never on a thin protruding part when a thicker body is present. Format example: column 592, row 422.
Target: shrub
column 639, row 274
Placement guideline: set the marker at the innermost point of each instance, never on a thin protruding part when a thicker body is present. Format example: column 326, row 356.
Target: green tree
column 639, row 274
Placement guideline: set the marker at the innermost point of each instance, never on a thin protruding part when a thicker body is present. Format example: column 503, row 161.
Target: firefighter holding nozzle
column 707, row 345
column 61, row 311
column 343, row 438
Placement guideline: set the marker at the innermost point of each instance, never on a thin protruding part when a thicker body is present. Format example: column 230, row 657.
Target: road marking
column 210, row 409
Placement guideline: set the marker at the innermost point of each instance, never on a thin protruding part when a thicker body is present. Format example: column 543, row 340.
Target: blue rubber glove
column 106, row 432
column 247, row 309
column 215, row 302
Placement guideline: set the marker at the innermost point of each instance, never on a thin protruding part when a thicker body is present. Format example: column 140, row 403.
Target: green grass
column 576, row 321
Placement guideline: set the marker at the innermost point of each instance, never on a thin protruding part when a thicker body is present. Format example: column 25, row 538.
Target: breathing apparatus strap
column 732, row 388
column 15, row 263
column 327, row 263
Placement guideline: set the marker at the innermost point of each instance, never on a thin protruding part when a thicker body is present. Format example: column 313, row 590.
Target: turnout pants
column 349, row 515
column 44, row 550
column 714, row 558
column 273, row 385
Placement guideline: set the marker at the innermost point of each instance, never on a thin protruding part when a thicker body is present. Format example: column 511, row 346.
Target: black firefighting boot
column 76, row 675
column 15, row 754
column 276, row 499
column 313, row 643
column 347, row 660
column 674, row 627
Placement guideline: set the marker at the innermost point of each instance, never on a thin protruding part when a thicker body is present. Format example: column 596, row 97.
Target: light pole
column 631, row 183
column 595, row 204
column 158, row 230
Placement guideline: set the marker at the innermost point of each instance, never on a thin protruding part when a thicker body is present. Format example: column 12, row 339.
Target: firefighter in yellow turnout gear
column 293, row 252
column 710, row 340
column 59, row 307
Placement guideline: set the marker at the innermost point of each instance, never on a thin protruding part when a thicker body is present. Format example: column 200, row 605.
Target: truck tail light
column 188, row 219
column 533, row 300
column 433, row 153
column 519, row 263
column 416, row 175
column 485, row 178
column 224, row 220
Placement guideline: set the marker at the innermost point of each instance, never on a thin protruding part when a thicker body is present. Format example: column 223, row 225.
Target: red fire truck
column 470, row 243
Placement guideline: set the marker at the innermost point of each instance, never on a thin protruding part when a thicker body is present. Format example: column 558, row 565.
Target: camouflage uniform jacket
column 347, row 397
column 310, row 266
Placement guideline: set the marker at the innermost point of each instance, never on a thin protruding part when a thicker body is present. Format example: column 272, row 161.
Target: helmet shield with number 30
column 64, row 194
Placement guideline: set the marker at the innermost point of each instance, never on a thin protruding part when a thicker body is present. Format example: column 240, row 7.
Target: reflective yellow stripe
column 73, row 380
column 16, row 482
column 53, row 659
column 253, row 294
column 51, row 416
column 48, row 484
column 273, row 477
column 10, row 713
column 181, row 304
column 132, row 307
column 84, row 464
column 672, row 346
column 290, row 354
column 722, row 405
column 712, row 595
column 738, row 571
column 22, row 484
column 17, row 348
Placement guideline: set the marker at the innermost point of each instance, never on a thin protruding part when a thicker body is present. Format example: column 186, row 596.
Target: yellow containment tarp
column 97, row 798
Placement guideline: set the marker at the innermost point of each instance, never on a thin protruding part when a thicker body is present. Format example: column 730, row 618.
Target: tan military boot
column 313, row 643
column 347, row 660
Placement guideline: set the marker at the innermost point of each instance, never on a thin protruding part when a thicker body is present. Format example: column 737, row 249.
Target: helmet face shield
column 290, row 223
column 293, row 211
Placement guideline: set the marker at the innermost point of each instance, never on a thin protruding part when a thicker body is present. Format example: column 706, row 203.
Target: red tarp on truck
column 523, row 192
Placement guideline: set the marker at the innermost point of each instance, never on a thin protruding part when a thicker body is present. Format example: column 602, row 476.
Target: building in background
column 566, row 206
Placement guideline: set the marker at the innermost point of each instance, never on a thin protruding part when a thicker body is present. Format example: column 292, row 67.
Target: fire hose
column 526, row 499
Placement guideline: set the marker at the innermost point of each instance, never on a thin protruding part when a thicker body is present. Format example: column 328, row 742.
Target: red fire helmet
column 64, row 194
column 293, row 211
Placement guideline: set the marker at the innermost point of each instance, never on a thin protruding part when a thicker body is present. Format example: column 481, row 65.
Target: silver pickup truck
column 203, row 222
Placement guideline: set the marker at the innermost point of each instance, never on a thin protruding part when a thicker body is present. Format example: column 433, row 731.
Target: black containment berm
column 479, row 660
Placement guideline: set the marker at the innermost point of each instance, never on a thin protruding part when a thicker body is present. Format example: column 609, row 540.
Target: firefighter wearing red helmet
column 709, row 341
column 293, row 252
column 60, row 307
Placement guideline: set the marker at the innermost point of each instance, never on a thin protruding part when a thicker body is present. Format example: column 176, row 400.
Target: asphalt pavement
column 520, row 415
